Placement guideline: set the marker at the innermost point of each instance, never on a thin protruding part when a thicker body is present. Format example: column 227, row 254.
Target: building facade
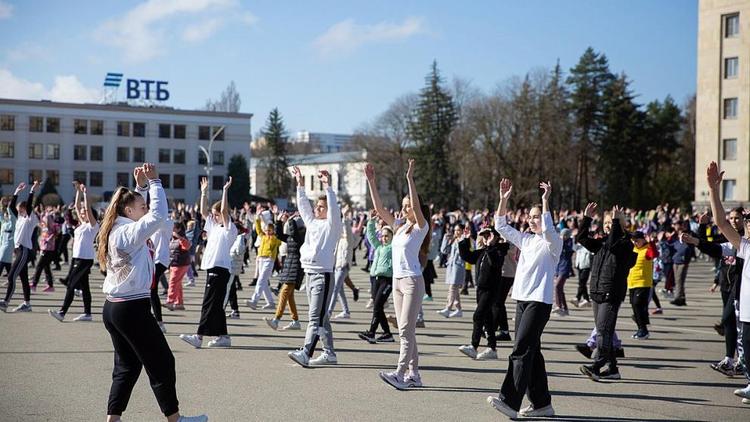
column 326, row 142
column 723, row 99
column 100, row 144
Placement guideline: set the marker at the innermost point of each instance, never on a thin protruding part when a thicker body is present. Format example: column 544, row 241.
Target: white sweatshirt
column 318, row 252
column 162, row 237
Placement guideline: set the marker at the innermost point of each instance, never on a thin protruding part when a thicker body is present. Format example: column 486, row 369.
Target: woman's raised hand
column 547, row 187
column 149, row 170
column 506, row 187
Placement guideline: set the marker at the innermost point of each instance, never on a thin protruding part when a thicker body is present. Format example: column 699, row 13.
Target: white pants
column 265, row 267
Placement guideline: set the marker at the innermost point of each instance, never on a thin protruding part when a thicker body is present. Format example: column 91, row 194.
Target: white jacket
column 130, row 266
column 237, row 252
column 317, row 254
column 162, row 237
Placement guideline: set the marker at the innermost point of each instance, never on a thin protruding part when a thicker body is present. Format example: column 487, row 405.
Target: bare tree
column 229, row 101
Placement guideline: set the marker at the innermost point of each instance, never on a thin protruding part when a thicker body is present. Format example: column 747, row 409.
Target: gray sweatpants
column 319, row 291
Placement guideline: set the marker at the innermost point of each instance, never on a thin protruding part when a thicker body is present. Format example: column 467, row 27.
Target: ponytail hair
column 122, row 198
column 425, row 248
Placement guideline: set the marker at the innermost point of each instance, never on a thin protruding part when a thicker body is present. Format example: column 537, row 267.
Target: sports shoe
column 268, row 306
column 324, row 359
column 342, row 315
column 24, row 307
column 469, row 351
column 385, row 338
column 584, row 349
column 48, row 289
column 426, row 298
column 412, row 381
column 487, row 354
column 300, row 357
column 456, row 314
column 192, row 339
column 83, row 318
column 200, row 418
column 640, row 335
column 678, row 302
column 502, row 407
column 393, row 379
column 590, row 372
column 221, row 341
column 738, row 369
column 503, row 336
column 3, row 306
column 62, row 281
column 725, row 366
column 657, row 311
column 33, row 288
column 368, row 337
column 77, row 292
column 56, row 315
column 444, row 312
column 294, row 325
column 584, row 304
column 420, row 323
column 609, row 375
column 272, row 322
column 745, row 401
column 252, row 305
column 234, row 315
column 620, row 353
column 530, row 412
column 355, row 294
column 162, row 327
column 575, row 303
column 370, row 304
column 189, row 283
column 743, row 392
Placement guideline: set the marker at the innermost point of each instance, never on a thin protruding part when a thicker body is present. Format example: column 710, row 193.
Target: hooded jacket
column 489, row 261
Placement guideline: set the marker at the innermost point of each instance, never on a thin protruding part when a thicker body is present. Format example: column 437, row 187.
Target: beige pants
column 407, row 299
column 454, row 296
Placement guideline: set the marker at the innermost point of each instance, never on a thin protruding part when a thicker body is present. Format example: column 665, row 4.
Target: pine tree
column 556, row 131
column 430, row 129
column 278, row 179
column 239, row 192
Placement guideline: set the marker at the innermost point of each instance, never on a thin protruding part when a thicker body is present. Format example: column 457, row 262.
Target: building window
column 730, row 108
column 123, row 155
column 7, row 150
column 218, row 131
column 312, row 182
column 178, row 156
column 139, row 155
column 95, row 178
column 218, row 158
column 730, row 149
column 139, row 130
column 35, row 175
column 53, row 124
column 53, row 151
column 123, row 128
column 202, row 158
column 54, row 177
column 165, row 131
column 97, row 153
column 728, row 189
column 731, row 67
column 165, row 155
column 36, row 124
column 123, row 179
column 164, row 177
column 6, row 177
column 179, row 131
column 7, row 122
column 80, row 126
column 80, row 176
column 97, row 127
column 79, row 152
column 178, row 181
column 731, row 25
column 204, row 133
column 36, row 151
column 217, row 182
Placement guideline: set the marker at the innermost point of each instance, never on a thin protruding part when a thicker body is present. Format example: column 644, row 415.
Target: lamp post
column 209, row 159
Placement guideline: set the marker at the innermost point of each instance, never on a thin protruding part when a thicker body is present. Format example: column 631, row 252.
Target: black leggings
column 583, row 279
column 19, row 268
column 383, row 288
column 233, row 294
column 159, row 270
column 213, row 320
column 45, row 260
column 484, row 319
column 138, row 343
column 78, row 278
column 639, row 303
column 729, row 321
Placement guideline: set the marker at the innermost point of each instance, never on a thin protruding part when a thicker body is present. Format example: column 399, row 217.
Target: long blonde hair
column 122, row 198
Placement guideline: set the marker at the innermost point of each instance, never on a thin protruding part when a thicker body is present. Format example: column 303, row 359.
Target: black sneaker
column 368, row 337
column 584, row 349
column 385, row 338
column 355, row 293
column 63, row 281
column 610, row 375
column 620, row 353
column 590, row 372
column 503, row 336
column 678, row 302
column 724, row 367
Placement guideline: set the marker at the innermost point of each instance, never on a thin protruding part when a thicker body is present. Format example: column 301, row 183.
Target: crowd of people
column 149, row 254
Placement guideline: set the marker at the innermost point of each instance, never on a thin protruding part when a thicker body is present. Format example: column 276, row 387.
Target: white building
column 327, row 142
column 100, row 144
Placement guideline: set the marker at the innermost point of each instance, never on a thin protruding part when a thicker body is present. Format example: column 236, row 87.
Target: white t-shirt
column 83, row 240
column 744, row 253
column 405, row 250
column 218, row 244
column 24, row 229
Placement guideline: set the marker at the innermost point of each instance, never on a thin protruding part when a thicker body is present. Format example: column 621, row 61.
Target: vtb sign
column 139, row 89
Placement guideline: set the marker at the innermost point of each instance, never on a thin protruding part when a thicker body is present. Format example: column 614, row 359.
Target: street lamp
column 209, row 159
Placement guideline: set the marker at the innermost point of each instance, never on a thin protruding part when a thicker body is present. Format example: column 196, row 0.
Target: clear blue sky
column 330, row 66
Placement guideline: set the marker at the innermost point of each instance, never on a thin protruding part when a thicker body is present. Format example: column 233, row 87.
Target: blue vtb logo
column 146, row 89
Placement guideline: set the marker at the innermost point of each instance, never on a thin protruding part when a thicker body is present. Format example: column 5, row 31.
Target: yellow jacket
column 269, row 245
column 641, row 274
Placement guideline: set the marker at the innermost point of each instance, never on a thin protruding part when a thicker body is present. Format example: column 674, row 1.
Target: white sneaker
column 83, row 317
column 272, row 322
column 300, row 357
column 469, row 351
column 162, row 327
column 233, row 315
column 444, row 312
column 252, row 305
column 393, row 379
column 456, row 314
column 294, row 325
column 487, row 354
column 413, row 381
column 192, row 339
column 543, row 412
column 56, row 315
column 201, row 418
column 502, row 407
column 370, row 304
column 584, row 304
column 324, row 359
column 745, row 401
column 190, row 283
column 221, row 341
column 268, row 306
column 3, row 306
column 743, row 392
column 24, row 307
column 342, row 315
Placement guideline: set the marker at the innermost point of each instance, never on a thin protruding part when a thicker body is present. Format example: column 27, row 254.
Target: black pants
column 44, row 263
column 746, row 346
column 655, row 296
column 20, row 269
column 78, row 278
column 729, row 321
column 62, row 248
column 159, row 270
column 383, row 288
column 138, row 343
column 429, row 274
column 639, row 302
column 583, row 279
column 498, row 308
column 233, row 294
column 526, row 371
column 484, row 318
column 605, row 316
column 5, row 266
column 213, row 320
